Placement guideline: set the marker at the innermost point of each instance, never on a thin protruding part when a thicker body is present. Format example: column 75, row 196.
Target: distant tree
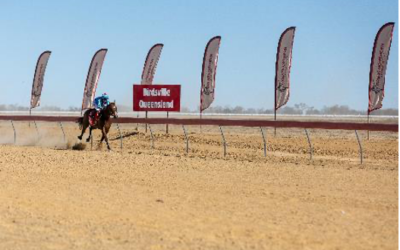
column 312, row 111
column 269, row 111
column 73, row 109
column 287, row 110
column 238, row 110
column 340, row 110
column 250, row 111
column 50, row 108
column 227, row 110
column 185, row 110
column 302, row 107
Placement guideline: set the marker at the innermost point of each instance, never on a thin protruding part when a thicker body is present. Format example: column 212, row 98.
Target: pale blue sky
column 331, row 55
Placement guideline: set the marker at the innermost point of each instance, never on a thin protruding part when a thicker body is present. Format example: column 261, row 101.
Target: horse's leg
column 100, row 145
column 102, row 138
column 105, row 131
column 84, row 127
column 85, row 124
column 90, row 134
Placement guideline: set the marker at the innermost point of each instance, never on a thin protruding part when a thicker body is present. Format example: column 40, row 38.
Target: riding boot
column 96, row 117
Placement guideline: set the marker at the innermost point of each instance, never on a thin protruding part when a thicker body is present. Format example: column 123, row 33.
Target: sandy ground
column 53, row 197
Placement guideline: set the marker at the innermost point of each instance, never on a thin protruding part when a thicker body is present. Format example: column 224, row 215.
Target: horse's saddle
column 93, row 117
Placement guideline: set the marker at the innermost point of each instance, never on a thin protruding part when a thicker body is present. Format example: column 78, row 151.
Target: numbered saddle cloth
column 93, row 117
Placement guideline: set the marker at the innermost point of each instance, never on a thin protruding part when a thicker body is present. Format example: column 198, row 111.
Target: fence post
column 265, row 142
column 62, row 129
column 120, row 135
column 186, row 139
column 15, row 132
column 151, row 137
column 361, row 150
column 309, row 144
column 223, row 138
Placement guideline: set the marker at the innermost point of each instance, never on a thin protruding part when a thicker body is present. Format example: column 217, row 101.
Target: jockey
column 100, row 103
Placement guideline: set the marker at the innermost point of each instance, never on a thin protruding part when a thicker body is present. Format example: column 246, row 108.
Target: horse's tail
column 80, row 122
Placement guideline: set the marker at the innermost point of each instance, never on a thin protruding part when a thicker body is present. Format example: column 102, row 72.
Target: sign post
column 166, row 125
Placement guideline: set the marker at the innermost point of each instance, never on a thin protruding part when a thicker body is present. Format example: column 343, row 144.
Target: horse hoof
column 88, row 140
column 80, row 137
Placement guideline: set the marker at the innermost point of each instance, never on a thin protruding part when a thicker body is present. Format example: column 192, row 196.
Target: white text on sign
column 156, row 92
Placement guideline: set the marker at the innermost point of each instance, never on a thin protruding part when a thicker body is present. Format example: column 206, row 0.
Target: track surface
column 53, row 197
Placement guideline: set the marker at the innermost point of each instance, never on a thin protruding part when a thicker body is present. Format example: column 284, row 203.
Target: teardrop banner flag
column 38, row 78
column 92, row 78
column 150, row 65
column 210, row 61
column 379, row 59
column 282, row 67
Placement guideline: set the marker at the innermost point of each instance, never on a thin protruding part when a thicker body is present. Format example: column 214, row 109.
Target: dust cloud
column 26, row 135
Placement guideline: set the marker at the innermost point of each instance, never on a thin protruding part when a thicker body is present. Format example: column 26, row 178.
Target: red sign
column 157, row 98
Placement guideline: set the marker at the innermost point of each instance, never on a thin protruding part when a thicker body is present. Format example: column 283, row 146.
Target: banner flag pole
column 379, row 60
column 200, row 119
column 208, row 73
column 150, row 66
column 276, row 119
column 147, row 117
column 92, row 79
column 282, row 69
column 38, row 80
column 369, row 122
column 30, row 114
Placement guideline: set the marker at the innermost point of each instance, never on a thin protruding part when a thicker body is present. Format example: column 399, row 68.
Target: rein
column 107, row 113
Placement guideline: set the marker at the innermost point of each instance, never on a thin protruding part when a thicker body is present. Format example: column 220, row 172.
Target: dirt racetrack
column 53, row 197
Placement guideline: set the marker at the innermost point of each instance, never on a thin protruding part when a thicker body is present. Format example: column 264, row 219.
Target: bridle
column 112, row 110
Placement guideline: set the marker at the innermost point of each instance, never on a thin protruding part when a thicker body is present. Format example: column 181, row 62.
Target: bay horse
column 104, row 122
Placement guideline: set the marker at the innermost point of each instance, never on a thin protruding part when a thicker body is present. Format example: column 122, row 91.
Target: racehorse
column 104, row 122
